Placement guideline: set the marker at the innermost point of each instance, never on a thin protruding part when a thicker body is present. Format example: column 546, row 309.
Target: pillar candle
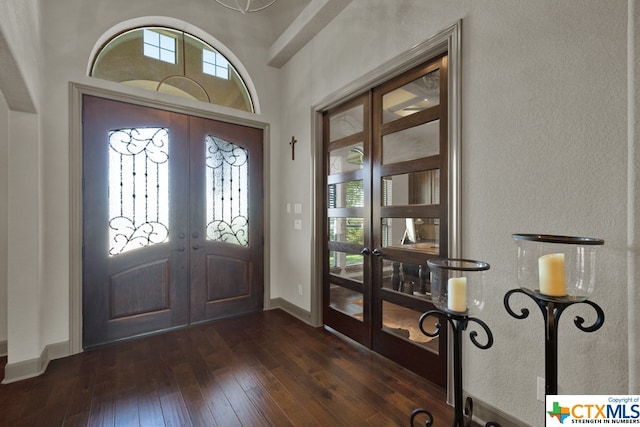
column 457, row 294
column 551, row 275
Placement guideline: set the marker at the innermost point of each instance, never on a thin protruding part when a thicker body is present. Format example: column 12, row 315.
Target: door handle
column 180, row 249
column 377, row 252
column 195, row 247
column 365, row 251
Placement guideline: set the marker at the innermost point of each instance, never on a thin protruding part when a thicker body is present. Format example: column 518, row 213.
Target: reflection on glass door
column 346, row 294
column 386, row 214
column 409, row 215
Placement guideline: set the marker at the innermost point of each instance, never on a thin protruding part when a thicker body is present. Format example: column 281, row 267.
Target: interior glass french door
column 347, row 290
column 387, row 210
column 172, row 230
column 410, row 212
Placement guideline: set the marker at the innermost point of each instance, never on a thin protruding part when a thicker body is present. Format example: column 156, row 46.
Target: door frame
column 448, row 40
column 161, row 101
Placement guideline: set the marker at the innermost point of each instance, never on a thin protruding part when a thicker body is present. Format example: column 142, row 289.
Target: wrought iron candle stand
column 578, row 254
column 455, row 296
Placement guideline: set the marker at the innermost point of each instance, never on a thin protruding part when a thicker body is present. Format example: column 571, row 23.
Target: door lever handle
column 180, row 249
column 377, row 252
column 365, row 251
column 195, row 247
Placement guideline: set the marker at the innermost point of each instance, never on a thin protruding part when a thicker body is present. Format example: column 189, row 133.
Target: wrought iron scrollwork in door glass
column 227, row 192
column 138, row 188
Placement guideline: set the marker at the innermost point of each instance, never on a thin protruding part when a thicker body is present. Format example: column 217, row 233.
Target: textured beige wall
column 544, row 149
column 4, row 143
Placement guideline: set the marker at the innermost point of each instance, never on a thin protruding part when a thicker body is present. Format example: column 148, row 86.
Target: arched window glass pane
column 171, row 61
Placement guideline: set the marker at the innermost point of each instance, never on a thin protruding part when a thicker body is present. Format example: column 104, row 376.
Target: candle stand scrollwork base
column 552, row 308
column 459, row 323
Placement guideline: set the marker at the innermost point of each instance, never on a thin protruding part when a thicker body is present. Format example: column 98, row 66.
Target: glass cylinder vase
column 457, row 284
column 560, row 267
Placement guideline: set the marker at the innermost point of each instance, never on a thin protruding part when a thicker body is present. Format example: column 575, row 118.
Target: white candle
column 551, row 275
column 457, row 294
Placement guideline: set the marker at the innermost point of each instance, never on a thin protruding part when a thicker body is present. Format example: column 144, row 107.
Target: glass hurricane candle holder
column 559, row 267
column 457, row 284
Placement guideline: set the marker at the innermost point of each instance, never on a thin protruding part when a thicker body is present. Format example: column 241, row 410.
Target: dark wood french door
column 172, row 220
column 387, row 211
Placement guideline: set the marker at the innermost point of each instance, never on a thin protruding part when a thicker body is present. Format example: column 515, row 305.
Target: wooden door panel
column 134, row 276
column 152, row 258
column 140, row 290
column 346, row 283
column 227, row 278
column 226, row 231
column 394, row 141
column 409, row 216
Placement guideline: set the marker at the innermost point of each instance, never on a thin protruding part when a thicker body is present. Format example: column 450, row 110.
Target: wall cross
column 293, row 148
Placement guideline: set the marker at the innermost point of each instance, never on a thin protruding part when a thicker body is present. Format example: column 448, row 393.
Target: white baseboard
column 32, row 368
column 292, row 309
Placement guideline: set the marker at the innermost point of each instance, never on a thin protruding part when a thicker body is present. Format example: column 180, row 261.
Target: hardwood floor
column 264, row 369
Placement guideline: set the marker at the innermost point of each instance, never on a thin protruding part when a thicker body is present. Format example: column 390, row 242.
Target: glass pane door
column 347, row 296
column 386, row 214
column 409, row 222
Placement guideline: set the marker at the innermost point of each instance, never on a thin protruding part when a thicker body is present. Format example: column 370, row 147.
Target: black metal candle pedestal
column 459, row 323
column 563, row 270
column 552, row 308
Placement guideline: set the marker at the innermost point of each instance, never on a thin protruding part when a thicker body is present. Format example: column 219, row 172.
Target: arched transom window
column 171, row 61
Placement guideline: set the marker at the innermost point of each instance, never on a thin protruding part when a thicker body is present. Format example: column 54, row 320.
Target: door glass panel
column 403, row 322
column 346, row 300
column 412, row 233
column 227, row 186
column 346, row 159
column 346, row 265
column 418, row 95
column 348, row 194
column 416, row 188
column 138, row 188
column 407, row 278
column 346, row 123
column 349, row 230
column 412, row 143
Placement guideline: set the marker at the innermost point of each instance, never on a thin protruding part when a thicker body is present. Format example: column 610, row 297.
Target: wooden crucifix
column 293, row 148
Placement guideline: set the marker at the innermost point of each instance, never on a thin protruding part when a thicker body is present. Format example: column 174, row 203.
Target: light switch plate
column 297, row 224
column 541, row 389
column 297, row 208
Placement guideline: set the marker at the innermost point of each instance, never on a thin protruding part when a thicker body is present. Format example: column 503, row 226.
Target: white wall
column 543, row 151
column 20, row 53
column 4, row 169
column 20, row 236
column 73, row 29
column 633, row 191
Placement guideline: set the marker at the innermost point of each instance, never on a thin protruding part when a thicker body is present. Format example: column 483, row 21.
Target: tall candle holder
column 563, row 267
column 456, row 291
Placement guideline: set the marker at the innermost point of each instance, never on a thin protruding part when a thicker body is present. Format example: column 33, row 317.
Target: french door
column 172, row 220
column 386, row 202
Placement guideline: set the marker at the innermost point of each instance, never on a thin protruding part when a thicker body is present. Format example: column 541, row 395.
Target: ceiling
column 296, row 22
column 282, row 13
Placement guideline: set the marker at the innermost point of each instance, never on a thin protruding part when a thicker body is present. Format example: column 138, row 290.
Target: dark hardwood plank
column 262, row 369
